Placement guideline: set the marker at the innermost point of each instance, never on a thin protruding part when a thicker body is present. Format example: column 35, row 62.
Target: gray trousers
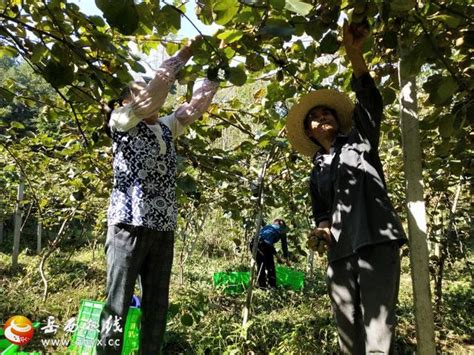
column 131, row 252
column 364, row 289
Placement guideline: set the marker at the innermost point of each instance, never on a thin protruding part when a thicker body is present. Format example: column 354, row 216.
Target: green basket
column 289, row 278
column 237, row 282
column 232, row 281
column 85, row 337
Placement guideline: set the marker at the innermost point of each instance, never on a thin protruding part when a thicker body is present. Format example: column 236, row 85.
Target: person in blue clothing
column 269, row 236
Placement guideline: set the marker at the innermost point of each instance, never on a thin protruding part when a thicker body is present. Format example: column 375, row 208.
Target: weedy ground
column 205, row 320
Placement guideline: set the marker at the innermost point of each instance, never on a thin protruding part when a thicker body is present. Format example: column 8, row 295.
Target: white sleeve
column 173, row 124
column 188, row 112
column 123, row 119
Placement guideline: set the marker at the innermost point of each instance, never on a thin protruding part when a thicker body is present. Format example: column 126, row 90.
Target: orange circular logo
column 18, row 330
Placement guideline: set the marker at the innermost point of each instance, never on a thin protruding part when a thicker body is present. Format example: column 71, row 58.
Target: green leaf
column 173, row 309
column 225, row 10
column 278, row 28
column 230, row 36
column 254, row 62
column 6, row 51
column 390, row 39
column 315, row 30
column 38, row 52
column 299, row 7
column 17, row 125
column 329, row 44
column 187, row 184
column 446, row 128
column 402, row 5
column 450, row 20
column 60, row 54
column 97, row 20
column 171, row 48
column 447, row 88
column 278, row 4
column 168, row 19
column 6, row 94
column 389, row 95
column 121, row 14
column 236, row 75
column 59, row 74
column 187, row 320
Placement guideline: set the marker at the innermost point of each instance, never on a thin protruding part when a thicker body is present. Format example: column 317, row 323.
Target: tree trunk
column 419, row 256
column 1, row 231
column 16, row 233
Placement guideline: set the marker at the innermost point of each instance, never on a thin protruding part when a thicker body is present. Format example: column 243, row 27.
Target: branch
column 234, row 125
column 282, row 64
column 444, row 7
column 197, row 29
column 54, row 245
column 241, row 111
column 73, row 48
column 27, row 98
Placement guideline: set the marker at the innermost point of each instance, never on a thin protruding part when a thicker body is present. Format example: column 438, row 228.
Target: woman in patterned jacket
column 143, row 208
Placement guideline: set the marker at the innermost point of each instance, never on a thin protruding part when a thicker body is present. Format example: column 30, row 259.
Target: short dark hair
column 280, row 222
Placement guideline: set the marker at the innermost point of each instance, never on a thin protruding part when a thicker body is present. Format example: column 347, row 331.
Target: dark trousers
column 266, row 274
column 364, row 289
column 132, row 251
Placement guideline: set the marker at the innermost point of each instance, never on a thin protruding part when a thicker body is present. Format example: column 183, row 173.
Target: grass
column 203, row 320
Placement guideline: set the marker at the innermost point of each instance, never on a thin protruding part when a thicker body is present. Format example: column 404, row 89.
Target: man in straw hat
column 351, row 208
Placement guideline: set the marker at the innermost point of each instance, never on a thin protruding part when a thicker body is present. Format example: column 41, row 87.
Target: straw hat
column 333, row 99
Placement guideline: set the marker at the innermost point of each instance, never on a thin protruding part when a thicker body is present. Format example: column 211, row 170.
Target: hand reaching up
column 354, row 36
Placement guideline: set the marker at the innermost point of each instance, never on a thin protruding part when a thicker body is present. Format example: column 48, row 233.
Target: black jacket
column 349, row 190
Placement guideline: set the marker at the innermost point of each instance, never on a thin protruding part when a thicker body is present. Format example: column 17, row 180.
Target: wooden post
column 1, row 231
column 39, row 232
column 16, row 233
column 419, row 255
column 310, row 266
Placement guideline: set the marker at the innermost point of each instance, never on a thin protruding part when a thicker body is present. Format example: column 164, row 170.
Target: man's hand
column 319, row 239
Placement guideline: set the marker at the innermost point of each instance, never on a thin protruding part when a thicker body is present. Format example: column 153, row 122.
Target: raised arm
column 149, row 100
column 200, row 102
column 146, row 102
column 369, row 108
column 188, row 112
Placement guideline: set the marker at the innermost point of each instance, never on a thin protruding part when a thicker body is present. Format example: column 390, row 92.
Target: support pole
column 16, row 233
